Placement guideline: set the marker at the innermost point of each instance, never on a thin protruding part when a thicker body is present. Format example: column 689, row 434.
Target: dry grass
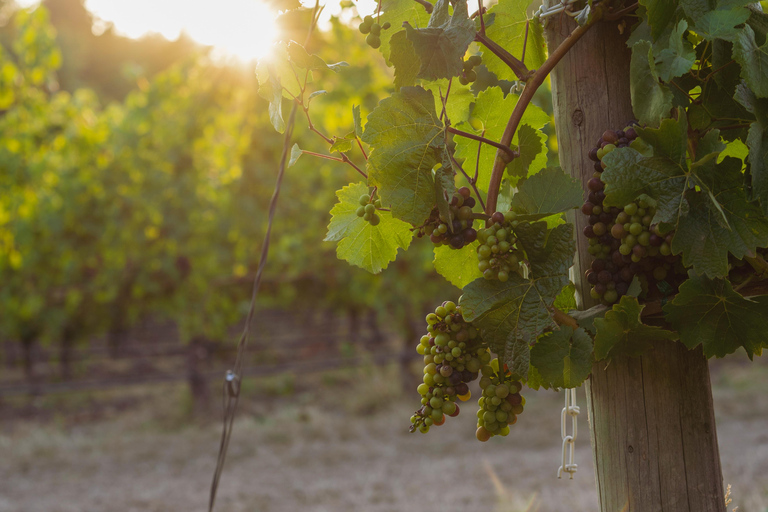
column 338, row 449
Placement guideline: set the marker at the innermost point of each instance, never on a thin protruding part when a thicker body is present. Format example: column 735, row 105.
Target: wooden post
column 651, row 419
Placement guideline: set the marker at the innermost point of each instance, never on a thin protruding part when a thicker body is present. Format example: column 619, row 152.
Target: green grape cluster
column 468, row 74
column 453, row 355
column 368, row 209
column 497, row 254
column 373, row 29
column 501, row 402
column 457, row 231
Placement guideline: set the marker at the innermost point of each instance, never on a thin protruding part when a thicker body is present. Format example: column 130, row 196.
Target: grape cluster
column 500, row 404
column 468, row 74
column 373, row 29
column 624, row 242
column 497, row 255
column 460, row 232
column 368, row 209
column 453, row 355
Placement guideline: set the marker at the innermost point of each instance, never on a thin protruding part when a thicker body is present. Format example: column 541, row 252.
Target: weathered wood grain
column 651, row 418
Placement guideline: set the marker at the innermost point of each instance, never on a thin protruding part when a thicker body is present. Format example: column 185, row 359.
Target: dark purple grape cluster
column 453, row 356
column 623, row 241
column 460, row 231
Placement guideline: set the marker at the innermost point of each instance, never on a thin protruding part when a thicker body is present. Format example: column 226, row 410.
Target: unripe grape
column 373, row 41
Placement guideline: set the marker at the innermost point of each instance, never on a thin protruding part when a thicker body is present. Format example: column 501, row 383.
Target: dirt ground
column 345, row 449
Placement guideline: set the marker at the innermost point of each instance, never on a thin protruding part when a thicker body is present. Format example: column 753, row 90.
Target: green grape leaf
column 720, row 24
column 407, row 140
column 566, row 300
column 359, row 243
column 723, row 108
column 651, row 100
column 342, row 144
column 277, row 65
column 459, row 102
column 489, row 117
column 563, row 357
column 703, row 238
column 300, row 57
column 529, row 146
column 621, row 331
column 458, row 266
column 546, row 193
column 296, row 152
column 271, row 91
column 512, row 314
column 358, row 121
column 660, row 14
column 696, row 9
column 757, row 142
column 753, row 60
column 405, row 60
column 444, row 190
column 442, row 44
column 586, row 318
column 678, row 58
column 711, row 313
column 396, row 12
column 509, row 31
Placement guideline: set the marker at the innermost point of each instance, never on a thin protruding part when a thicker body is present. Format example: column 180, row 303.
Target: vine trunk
column 651, row 419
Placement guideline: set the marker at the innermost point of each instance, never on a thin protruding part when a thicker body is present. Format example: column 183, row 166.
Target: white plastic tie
column 569, row 440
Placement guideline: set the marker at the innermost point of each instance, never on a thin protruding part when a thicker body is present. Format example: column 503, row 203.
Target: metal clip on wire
column 233, row 383
column 572, row 410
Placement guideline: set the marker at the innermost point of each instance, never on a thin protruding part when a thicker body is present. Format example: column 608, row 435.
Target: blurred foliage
column 157, row 203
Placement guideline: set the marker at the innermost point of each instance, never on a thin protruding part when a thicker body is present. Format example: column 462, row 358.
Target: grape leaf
column 459, row 101
column 757, row 142
column 357, row 120
column 444, row 190
column 304, row 60
column 277, row 65
column 509, row 31
column 678, row 58
column 342, row 144
column 546, row 193
column 442, row 45
column 720, row 24
column 458, row 266
column 621, row 331
column 512, row 314
column 407, row 141
column 396, row 12
column 489, row 117
column 709, row 312
column 296, row 152
column 360, row 243
column 651, row 100
column 703, row 238
column 696, row 9
column 271, row 91
column 753, row 60
column 660, row 14
column 529, row 146
column 563, row 357
column 566, row 300
column 405, row 60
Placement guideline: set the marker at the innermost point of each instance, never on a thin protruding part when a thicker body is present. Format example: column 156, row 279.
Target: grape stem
column 470, row 181
column 532, row 84
column 564, row 319
column 511, row 154
column 759, row 264
column 507, row 58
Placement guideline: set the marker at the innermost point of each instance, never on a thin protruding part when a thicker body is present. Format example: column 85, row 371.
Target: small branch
column 733, row 127
column 427, row 5
column 525, row 41
column 564, row 319
column 477, row 161
column 320, row 155
column 525, row 98
column 759, row 264
column 718, row 69
column 618, row 14
column 360, row 145
column 480, row 10
column 511, row 153
column 346, row 159
column 471, row 182
column 507, row 58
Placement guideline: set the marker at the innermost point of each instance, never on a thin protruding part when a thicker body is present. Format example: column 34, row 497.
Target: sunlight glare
column 241, row 28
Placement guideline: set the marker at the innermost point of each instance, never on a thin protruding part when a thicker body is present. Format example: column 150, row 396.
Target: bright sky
column 241, row 28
